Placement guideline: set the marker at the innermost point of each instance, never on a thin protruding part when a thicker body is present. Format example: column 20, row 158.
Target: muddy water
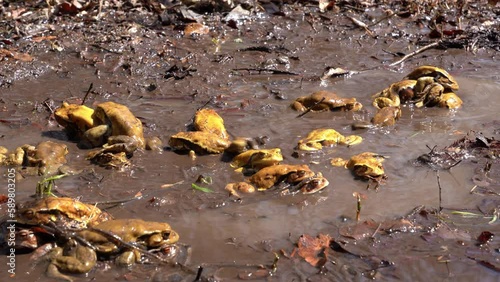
column 222, row 232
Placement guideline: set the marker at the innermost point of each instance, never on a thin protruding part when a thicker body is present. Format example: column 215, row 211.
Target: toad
column 72, row 258
column 76, row 119
column 45, row 159
column 210, row 136
column 450, row 100
column 318, row 138
column 108, row 119
column 296, row 178
column 272, row 175
column 258, row 158
column 366, row 165
column 439, row 75
column 208, row 120
column 386, row 116
column 113, row 119
column 427, row 92
column 240, row 145
column 65, row 212
column 309, row 185
column 395, row 94
column 147, row 234
column 325, row 101
column 105, row 159
column 200, row 142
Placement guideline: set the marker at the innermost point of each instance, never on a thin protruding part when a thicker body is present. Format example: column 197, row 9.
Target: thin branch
column 87, row 94
column 376, row 230
column 429, row 46
column 440, row 191
column 311, row 107
column 361, row 25
column 265, row 70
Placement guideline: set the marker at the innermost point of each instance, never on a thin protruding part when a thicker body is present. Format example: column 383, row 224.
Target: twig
column 440, row 191
column 311, row 107
column 265, row 70
column 429, row 46
column 88, row 92
column 52, row 227
column 376, row 230
column 198, row 273
column 100, row 9
column 206, row 103
column 47, row 104
column 358, row 208
column 116, row 202
column 362, row 25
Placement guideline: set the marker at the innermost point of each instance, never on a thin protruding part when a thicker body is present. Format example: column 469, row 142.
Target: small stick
column 376, row 230
column 100, row 9
column 198, row 273
column 358, row 205
column 429, row 46
column 206, row 103
column 46, row 104
column 115, row 239
column 310, row 108
column 88, row 92
column 361, row 25
column 440, row 192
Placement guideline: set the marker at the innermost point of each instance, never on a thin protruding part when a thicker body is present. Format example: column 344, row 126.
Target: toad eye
column 29, row 214
column 166, row 235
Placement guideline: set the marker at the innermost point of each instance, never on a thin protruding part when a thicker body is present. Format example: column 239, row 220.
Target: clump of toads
column 73, row 236
column 210, row 136
column 111, row 128
column 264, row 166
column 425, row 86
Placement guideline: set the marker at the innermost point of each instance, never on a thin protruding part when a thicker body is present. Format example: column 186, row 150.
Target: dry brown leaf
column 195, row 28
column 17, row 13
column 314, row 250
column 38, row 39
column 493, row 2
column 15, row 55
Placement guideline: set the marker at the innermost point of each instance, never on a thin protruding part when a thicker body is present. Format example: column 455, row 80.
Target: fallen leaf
column 493, row 2
column 484, row 237
column 314, row 250
column 195, row 28
column 15, row 55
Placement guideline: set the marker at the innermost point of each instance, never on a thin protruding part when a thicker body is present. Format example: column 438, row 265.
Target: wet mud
column 250, row 70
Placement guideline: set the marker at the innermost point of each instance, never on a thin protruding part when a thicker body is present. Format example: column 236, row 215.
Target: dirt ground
column 249, row 60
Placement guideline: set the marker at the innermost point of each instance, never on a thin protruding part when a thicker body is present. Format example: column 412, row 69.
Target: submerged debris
column 472, row 146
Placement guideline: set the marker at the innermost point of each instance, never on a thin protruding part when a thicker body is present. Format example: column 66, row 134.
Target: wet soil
column 250, row 69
